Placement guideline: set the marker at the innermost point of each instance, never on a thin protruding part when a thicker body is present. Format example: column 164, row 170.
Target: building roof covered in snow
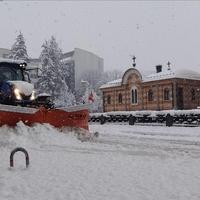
column 162, row 75
column 169, row 74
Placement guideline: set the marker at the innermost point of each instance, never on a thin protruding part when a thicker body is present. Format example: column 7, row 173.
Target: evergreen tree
column 18, row 50
column 52, row 78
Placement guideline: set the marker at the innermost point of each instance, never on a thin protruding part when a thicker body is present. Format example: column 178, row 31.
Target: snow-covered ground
column 125, row 162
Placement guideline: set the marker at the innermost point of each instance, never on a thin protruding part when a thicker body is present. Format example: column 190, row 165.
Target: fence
column 179, row 119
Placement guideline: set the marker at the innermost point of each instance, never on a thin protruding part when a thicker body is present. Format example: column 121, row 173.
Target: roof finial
column 169, row 65
column 134, row 63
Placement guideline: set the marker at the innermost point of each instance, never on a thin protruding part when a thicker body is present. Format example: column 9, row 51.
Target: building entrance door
column 180, row 98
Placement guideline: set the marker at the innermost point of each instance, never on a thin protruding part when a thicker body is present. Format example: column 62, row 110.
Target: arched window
column 134, row 95
column 193, row 94
column 108, row 99
column 150, row 95
column 166, row 94
column 120, row 98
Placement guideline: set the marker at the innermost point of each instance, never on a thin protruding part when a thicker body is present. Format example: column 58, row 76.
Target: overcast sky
column 155, row 32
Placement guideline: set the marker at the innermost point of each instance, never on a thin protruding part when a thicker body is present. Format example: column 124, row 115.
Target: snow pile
column 150, row 113
column 124, row 163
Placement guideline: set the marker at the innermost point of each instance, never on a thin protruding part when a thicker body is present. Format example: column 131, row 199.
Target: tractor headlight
column 17, row 94
column 33, row 96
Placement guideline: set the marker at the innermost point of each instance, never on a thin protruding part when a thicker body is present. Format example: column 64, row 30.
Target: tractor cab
column 15, row 86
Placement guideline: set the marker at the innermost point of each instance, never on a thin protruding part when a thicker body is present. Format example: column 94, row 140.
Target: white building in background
column 86, row 65
column 82, row 65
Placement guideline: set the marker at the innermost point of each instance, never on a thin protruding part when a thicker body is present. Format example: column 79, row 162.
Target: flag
column 91, row 97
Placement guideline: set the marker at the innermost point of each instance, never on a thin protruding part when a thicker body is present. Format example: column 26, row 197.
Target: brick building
column 166, row 89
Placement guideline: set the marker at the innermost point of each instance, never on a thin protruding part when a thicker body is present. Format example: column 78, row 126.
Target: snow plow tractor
column 18, row 101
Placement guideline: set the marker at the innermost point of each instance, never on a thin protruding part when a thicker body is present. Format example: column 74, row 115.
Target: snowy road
column 125, row 162
column 158, row 140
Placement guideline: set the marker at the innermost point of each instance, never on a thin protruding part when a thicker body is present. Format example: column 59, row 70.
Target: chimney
column 158, row 68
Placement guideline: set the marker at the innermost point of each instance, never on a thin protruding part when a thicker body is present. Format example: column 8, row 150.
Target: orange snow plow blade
column 76, row 116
